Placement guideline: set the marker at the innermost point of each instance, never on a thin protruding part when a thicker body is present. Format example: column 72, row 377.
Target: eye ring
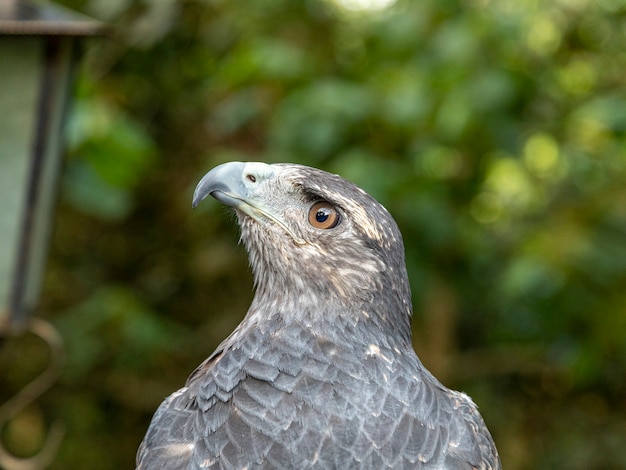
column 323, row 215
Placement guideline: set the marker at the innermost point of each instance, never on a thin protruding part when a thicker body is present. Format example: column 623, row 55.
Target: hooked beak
column 224, row 183
column 236, row 184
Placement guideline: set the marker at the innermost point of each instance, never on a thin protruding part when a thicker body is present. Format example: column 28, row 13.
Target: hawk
column 321, row 372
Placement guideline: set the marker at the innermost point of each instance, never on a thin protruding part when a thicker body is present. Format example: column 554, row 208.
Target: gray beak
column 237, row 184
column 225, row 183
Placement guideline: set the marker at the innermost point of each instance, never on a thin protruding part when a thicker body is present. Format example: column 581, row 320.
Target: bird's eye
column 323, row 215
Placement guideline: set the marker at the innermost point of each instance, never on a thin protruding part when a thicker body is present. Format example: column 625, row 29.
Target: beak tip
column 197, row 198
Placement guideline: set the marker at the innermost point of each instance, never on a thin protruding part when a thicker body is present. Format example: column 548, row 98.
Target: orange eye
column 323, row 215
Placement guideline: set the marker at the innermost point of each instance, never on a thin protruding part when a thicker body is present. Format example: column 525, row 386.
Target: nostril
column 251, row 178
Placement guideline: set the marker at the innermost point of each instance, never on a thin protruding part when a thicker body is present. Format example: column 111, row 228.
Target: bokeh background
column 493, row 130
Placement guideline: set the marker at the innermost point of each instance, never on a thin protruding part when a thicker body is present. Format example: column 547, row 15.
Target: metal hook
column 28, row 395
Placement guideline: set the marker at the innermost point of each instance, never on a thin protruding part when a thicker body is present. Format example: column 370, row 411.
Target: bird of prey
column 321, row 372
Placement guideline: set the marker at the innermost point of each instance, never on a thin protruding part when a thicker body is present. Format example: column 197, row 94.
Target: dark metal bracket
column 27, row 395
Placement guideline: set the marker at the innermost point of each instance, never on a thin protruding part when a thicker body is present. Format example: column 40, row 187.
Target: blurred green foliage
column 493, row 130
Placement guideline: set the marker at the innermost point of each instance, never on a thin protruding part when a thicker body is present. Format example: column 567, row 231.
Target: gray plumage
column 321, row 372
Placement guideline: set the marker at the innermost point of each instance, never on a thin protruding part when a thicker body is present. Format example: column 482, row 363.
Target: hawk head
column 321, row 249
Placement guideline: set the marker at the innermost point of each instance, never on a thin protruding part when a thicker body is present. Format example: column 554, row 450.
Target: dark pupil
column 322, row 215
